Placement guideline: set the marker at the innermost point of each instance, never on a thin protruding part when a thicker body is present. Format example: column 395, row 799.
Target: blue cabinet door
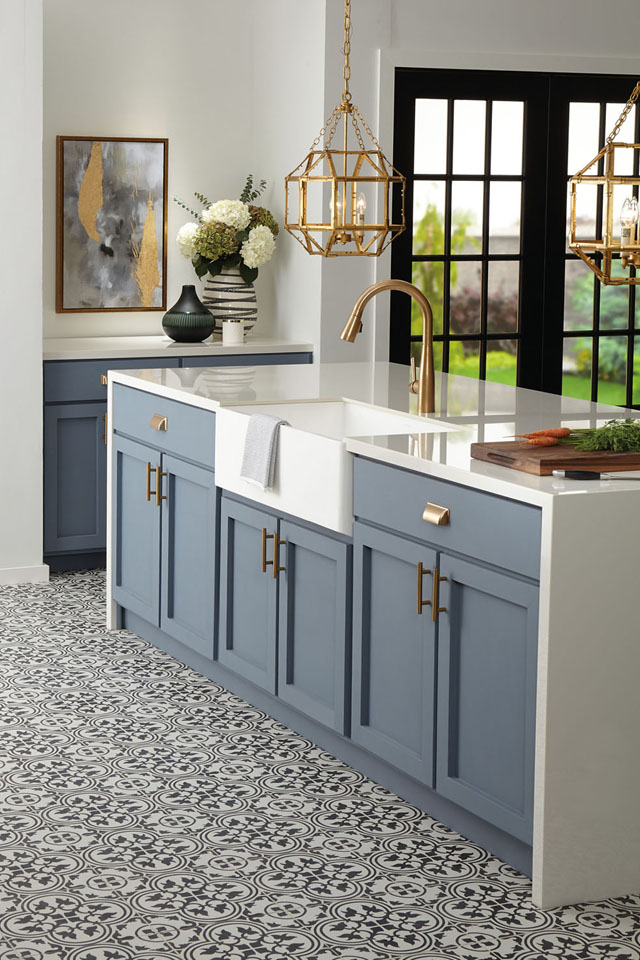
column 75, row 477
column 136, row 529
column 314, row 624
column 487, row 645
column 393, row 651
column 248, row 594
column 188, row 569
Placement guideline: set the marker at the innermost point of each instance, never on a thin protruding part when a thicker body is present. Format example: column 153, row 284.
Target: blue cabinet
column 394, row 651
column 164, row 542
column 285, row 610
column 75, row 398
column 248, row 593
column 75, row 476
column 136, row 528
column 314, row 623
column 188, row 568
column 487, row 645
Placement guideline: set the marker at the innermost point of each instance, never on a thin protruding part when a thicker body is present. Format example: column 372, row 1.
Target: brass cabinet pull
column 422, row 603
column 435, row 609
column 158, row 422
column 106, row 427
column 433, row 513
column 159, row 475
column 266, row 536
column 104, row 379
column 150, row 492
column 277, row 543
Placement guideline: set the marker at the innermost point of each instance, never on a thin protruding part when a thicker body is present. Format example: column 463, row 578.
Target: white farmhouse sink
column 313, row 468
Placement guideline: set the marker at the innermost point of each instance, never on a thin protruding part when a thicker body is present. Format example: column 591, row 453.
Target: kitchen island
column 484, row 669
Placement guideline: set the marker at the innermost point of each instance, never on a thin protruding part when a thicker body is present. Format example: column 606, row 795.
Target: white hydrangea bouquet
column 229, row 233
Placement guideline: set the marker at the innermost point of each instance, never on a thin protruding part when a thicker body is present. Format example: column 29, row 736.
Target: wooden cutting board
column 541, row 461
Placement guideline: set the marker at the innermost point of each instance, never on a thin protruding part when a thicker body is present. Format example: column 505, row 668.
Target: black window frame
column 546, row 97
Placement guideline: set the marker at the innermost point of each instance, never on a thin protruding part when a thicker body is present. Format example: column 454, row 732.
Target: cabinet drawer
column 490, row 528
column 67, row 380
column 190, row 431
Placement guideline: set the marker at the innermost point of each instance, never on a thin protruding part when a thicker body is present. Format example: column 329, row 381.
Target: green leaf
column 232, row 260
column 201, row 268
column 242, row 235
column 215, row 267
column 248, row 274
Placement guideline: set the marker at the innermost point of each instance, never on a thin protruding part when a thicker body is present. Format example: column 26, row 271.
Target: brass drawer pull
column 150, row 492
column 435, row 514
column 435, row 609
column 266, row 536
column 277, row 543
column 422, row 603
column 158, row 422
column 104, row 379
column 159, row 476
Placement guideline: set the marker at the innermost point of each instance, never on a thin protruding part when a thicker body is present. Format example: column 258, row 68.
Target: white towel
column 260, row 450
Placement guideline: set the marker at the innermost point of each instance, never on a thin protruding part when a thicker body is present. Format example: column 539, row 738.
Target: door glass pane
column 584, row 135
column 587, row 199
column 430, row 150
column 427, row 276
column 466, row 287
column 612, row 369
column 623, row 158
column 464, row 358
column 416, row 350
column 469, row 121
column 502, row 302
column 614, row 303
column 636, row 370
column 466, row 216
column 428, row 218
column 506, row 137
column 502, row 362
column 504, row 217
column 576, row 367
column 579, row 284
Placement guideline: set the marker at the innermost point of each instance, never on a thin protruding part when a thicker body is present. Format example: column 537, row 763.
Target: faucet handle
column 413, row 377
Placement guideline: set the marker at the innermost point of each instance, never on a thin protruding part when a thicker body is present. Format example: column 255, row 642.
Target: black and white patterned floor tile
column 147, row 814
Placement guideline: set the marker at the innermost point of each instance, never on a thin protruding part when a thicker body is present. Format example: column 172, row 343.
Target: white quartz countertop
column 98, row 348
column 472, row 410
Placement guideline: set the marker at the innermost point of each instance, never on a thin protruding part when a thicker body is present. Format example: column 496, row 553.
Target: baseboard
column 61, row 562
column 37, row 573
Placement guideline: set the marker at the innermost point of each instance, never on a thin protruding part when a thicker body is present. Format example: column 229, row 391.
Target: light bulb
column 628, row 221
column 338, row 209
column 361, row 206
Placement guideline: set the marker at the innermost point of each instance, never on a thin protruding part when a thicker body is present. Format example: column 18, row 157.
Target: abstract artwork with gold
column 111, row 230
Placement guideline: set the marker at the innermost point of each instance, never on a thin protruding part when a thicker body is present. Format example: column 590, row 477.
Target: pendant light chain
column 625, row 113
column 346, row 49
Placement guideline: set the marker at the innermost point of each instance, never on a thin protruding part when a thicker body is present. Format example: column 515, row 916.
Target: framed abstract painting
column 111, row 224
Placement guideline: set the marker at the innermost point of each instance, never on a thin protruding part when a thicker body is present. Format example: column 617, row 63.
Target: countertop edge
column 54, row 350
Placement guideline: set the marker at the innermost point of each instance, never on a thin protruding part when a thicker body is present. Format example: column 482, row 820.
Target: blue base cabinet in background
column 75, row 408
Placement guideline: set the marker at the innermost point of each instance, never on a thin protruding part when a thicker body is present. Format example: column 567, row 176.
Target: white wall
column 286, row 111
column 21, row 284
column 156, row 68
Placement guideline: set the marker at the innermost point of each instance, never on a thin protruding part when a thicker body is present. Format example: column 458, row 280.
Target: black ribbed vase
column 188, row 320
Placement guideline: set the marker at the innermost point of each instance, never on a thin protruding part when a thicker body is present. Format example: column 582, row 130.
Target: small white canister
column 232, row 332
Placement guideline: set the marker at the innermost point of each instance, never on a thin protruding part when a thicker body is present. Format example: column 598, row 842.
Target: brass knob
column 158, row 422
column 104, row 379
column 433, row 513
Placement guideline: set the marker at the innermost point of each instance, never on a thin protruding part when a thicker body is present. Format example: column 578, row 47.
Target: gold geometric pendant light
column 329, row 192
column 617, row 241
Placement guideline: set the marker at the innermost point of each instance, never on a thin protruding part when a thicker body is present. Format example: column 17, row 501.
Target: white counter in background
column 586, row 839
column 98, row 348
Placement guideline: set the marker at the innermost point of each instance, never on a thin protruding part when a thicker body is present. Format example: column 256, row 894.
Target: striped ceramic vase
column 228, row 297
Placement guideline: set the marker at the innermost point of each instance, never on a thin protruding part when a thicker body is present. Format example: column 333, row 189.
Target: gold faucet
column 424, row 384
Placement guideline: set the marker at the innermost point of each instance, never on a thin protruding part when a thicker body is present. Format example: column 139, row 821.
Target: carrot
column 543, row 441
column 553, row 432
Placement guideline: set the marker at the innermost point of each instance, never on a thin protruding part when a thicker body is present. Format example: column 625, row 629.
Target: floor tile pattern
column 147, row 814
